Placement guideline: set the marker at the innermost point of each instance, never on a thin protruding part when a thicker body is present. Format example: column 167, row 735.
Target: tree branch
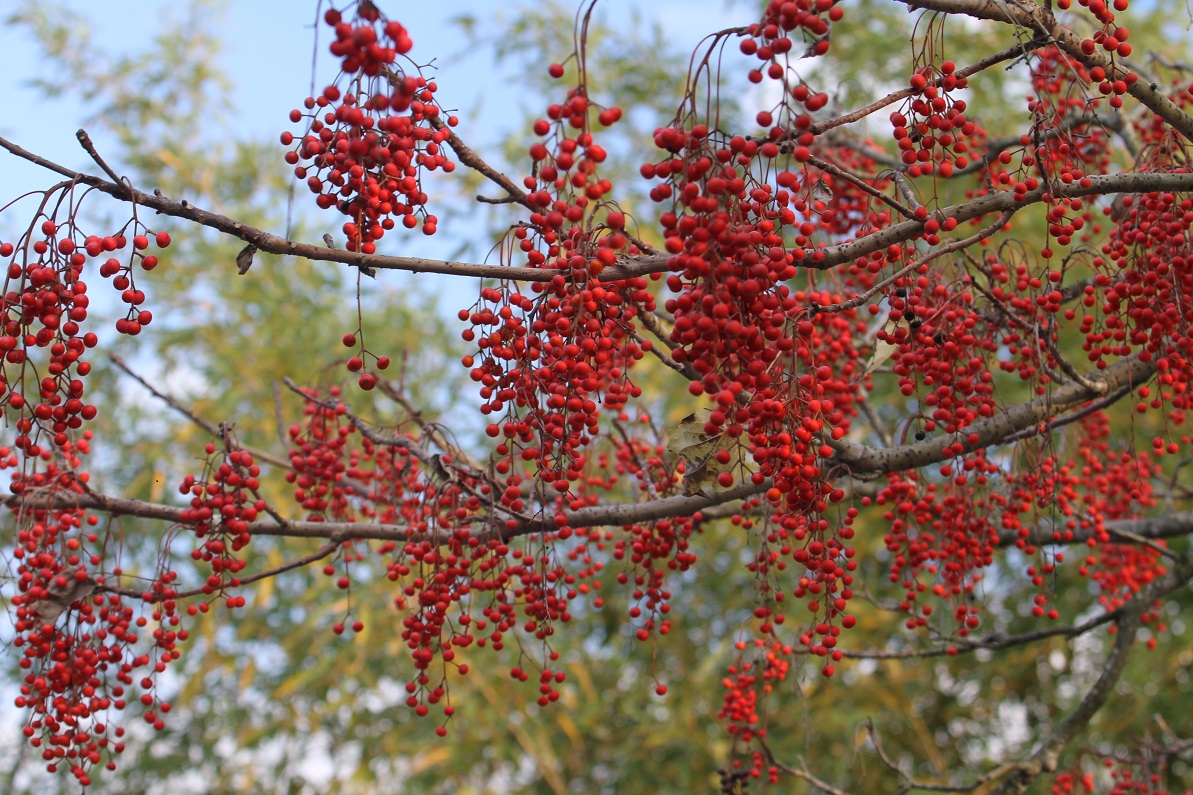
column 626, row 267
column 1129, row 372
column 618, row 514
column 1038, row 19
column 1046, row 756
column 205, row 424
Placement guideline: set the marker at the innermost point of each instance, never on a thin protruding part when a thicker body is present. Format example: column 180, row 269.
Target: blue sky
column 267, row 49
column 267, row 52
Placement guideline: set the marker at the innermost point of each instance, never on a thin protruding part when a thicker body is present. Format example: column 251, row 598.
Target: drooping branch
column 1168, row 525
column 274, row 244
column 801, row 772
column 1017, row 775
column 604, row 515
column 1000, row 641
column 860, row 184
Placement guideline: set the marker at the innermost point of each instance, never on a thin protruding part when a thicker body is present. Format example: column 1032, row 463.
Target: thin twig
column 207, row 425
column 299, row 563
column 89, row 147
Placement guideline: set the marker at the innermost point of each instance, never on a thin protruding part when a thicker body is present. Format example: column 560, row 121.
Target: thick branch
column 594, row 516
column 1000, row 641
column 1018, row 775
column 1169, row 525
column 1130, row 372
column 1046, row 756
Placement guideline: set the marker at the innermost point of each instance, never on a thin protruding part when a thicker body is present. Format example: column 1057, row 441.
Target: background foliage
column 269, row 700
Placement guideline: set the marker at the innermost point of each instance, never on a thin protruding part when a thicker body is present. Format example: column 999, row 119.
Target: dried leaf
column 244, row 260
column 61, row 597
column 699, row 454
column 821, row 192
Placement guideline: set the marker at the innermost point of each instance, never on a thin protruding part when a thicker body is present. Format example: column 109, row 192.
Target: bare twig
column 306, row 560
column 800, row 772
column 89, row 147
column 207, row 425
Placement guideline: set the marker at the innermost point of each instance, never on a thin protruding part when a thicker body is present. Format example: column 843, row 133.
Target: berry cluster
column 1064, row 141
column 456, row 590
column 76, row 634
column 770, row 37
column 317, row 462
column 76, row 631
column 44, row 305
column 550, row 361
column 936, row 137
column 223, row 503
column 365, row 148
column 747, row 686
column 778, row 369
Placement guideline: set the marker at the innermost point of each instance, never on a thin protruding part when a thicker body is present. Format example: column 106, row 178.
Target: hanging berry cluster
column 77, row 632
column 936, row 137
column 458, row 587
column 549, row 362
column 1110, row 38
column 771, row 36
column 750, row 680
column 366, row 145
column 778, row 369
column 1147, row 288
column 1066, row 140
column 75, row 628
column 317, row 461
column 779, row 363
column 223, row 503
column 44, row 307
